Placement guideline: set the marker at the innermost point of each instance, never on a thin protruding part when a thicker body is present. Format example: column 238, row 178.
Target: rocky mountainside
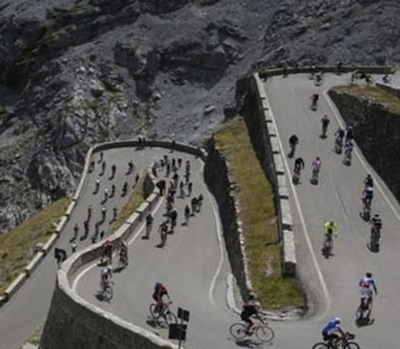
column 78, row 72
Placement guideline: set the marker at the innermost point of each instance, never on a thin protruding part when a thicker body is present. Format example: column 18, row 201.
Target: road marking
column 134, row 237
column 303, row 223
column 220, row 247
column 358, row 153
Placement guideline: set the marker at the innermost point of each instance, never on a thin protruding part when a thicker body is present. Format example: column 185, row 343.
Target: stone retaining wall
column 90, row 326
column 216, row 175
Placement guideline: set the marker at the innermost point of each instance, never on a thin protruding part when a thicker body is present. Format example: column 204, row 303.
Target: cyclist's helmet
column 337, row 320
column 368, row 275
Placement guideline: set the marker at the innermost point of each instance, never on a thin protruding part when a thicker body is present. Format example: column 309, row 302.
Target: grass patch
column 17, row 246
column 258, row 215
column 135, row 200
column 374, row 94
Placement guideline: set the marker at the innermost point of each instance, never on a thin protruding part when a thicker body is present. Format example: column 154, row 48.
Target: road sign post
column 178, row 331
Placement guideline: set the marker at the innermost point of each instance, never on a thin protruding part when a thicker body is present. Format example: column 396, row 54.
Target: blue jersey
column 331, row 327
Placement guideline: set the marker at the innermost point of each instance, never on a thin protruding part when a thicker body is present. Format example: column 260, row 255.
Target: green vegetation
column 374, row 94
column 258, row 215
column 17, row 246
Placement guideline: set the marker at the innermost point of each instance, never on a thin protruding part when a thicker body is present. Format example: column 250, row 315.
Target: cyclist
column 330, row 230
column 368, row 194
column 339, row 134
column 376, row 227
column 105, row 276
column 348, row 149
column 349, row 132
column 316, row 166
column 367, row 287
column 149, row 224
column 332, row 332
column 376, row 222
column 250, row 312
column 314, row 101
column 298, row 166
column 293, row 141
column 369, row 181
column 160, row 291
column 325, row 122
column 123, row 253
column 107, row 251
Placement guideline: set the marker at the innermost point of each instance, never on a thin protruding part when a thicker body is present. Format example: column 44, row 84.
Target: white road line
column 303, row 223
column 221, row 252
column 134, row 237
column 358, row 153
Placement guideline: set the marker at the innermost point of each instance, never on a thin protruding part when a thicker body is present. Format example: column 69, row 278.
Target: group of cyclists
column 332, row 332
column 299, row 163
column 344, row 140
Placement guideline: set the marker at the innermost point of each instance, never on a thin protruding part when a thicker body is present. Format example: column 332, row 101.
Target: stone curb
column 33, row 264
column 15, row 285
column 50, row 243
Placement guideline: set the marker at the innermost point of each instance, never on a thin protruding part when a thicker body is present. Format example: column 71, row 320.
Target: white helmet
column 337, row 320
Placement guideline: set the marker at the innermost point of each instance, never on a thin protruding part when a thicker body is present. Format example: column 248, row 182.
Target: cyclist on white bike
column 367, row 287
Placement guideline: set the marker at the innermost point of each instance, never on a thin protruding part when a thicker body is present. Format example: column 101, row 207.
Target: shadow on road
column 366, row 321
column 248, row 343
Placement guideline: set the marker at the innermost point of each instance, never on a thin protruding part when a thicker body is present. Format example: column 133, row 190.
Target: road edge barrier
column 278, row 178
column 79, row 259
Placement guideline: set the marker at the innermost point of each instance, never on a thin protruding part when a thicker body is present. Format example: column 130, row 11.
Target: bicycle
column 364, row 310
column 262, row 331
column 296, row 175
column 366, row 212
column 314, row 177
column 106, row 293
column 327, row 245
column 338, row 145
column 374, row 239
column 346, row 343
column 164, row 314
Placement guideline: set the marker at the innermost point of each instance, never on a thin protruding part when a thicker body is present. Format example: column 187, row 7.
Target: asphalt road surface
column 189, row 264
column 194, row 265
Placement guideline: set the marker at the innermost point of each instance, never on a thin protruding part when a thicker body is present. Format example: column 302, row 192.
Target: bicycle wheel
column 265, row 333
column 351, row 345
column 155, row 314
column 170, row 318
column 320, row 345
column 108, row 293
column 237, row 331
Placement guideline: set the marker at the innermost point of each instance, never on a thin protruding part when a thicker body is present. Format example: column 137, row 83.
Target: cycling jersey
column 159, row 292
column 369, row 193
column 316, row 165
column 331, row 228
column 367, row 282
column 249, row 309
column 330, row 328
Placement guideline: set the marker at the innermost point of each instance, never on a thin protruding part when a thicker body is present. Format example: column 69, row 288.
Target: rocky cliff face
column 377, row 132
column 77, row 72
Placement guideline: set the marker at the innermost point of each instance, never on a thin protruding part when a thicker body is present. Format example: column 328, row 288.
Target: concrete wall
column 216, row 175
column 89, row 326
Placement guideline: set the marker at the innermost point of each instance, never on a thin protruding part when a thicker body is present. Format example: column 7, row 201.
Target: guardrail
column 265, row 72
